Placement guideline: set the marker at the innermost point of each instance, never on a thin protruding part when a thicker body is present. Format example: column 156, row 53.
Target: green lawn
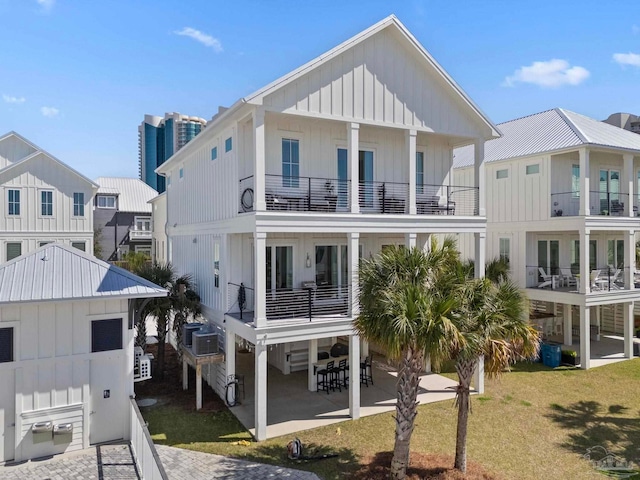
column 532, row 423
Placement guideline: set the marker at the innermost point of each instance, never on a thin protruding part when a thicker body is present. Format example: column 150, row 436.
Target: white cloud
column 632, row 59
column 12, row 99
column 205, row 39
column 46, row 5
column 550, row 74
column 49, row 111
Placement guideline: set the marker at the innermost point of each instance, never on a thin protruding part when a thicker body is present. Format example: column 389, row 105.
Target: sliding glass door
column 279, row 268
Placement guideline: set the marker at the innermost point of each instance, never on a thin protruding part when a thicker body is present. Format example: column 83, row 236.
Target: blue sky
column 77, row 77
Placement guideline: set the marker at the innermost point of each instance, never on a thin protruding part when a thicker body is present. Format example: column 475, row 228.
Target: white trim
column 41, row 203
column 15, row 324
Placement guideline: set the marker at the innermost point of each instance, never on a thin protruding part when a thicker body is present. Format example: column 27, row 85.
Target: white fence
column 149, row 464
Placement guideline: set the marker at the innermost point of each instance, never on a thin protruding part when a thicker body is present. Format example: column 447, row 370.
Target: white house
column 66, row 351
column 558, row 181
column 159, row 243
column 282, row 193
column 43, row 200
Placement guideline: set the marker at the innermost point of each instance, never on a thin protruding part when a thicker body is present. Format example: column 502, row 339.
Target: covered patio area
column 609, row 349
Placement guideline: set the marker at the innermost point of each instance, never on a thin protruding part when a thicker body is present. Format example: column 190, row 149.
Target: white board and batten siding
column 51, row 374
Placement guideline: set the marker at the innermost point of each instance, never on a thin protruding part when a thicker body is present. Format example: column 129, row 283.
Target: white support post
column 480, row 178
column 260, row 269
column 585, row 272
column 629, row 259
column 353, row 160
column 585, row 209
column 568, row 325
column 312, row 385
column 185, row 374
column 354, row 278
column 478, row 376
column 198, row 387
column 354, row 376
column 259, row 158
column 585, row 337
column 229, row 354
column 627, row 160
column 628, row 329
column 411, row 240
column 481, row 253
column 410, row 139
column 260, row 400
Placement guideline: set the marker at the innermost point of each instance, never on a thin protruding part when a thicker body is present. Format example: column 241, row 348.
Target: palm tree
column 491, row 317
column 181, row 303
column 402, row 310
column 496, row 270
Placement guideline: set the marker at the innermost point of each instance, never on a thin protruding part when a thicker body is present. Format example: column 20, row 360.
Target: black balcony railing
column 567, row 204
column 240, row 300
column 601, row 279
column 383, row 197
column 306, row 194
column 446, row 200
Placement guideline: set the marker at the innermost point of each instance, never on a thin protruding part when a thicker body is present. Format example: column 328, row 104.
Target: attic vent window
column 228, row 144
column 502, row 174
column 533, row 169
column 214, row 153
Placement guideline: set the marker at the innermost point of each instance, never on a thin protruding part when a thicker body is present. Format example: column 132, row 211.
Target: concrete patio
column 609, row 349
column 291, row 407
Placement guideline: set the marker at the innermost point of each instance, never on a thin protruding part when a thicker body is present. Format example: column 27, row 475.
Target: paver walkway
column 111, row 462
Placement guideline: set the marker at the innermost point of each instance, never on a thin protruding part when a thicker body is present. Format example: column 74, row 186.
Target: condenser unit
column 187, row 332
column 204, row 343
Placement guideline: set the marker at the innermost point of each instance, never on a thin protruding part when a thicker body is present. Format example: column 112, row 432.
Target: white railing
column 144, row 451
column 135, row 234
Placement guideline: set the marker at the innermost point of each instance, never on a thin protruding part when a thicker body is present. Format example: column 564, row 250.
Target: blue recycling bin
column 551, row 356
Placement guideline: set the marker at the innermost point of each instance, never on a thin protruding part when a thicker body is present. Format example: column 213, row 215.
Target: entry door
column 7, row 415
column 366, row 178
column 549, row 256
column 343, row 181
column 610, row 191
column 108, row 402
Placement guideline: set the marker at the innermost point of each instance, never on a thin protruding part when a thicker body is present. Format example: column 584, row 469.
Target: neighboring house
column 562, row 206
column 122, row 216
column 159, row 138
column 283, row 192
column 627, row 121
column 43, row 200
column 66, row 351
column 159, row 235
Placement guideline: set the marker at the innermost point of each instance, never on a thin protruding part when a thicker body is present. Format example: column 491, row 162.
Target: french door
column 610, row 191
column 549, row 256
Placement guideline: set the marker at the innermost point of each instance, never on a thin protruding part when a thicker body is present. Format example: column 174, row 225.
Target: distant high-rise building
column 159, row 138
column 627, row 121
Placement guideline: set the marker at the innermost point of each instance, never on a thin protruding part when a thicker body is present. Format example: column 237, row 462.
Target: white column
column 354, row 376
column 313, row 358
column 410, row 139
column 198, row 387
column 353, row 160
column 568, row 324
column 480, row 177
column 230, row 353
column 629, row 259
column 260, row 268
column 481, row 253
column 260, row 158
column 628, row 329
column 584, row 182
column 478, row 376
column 411, row 240
column 260, row 400
column 354, row 279
column 627, row 160
column 585, row 337
column 585, row 272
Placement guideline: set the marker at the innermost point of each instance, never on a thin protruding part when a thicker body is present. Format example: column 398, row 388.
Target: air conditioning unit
column 204, row 343
column 187, row 332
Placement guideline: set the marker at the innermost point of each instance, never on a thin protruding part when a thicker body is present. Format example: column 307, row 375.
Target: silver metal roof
column 133, row 193
column 548, row 131
column 58, row 272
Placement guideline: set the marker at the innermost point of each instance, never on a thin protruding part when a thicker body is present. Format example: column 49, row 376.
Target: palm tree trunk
column 406, row 410
column 465, row 370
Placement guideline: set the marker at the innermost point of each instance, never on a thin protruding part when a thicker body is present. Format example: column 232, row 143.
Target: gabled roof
column 39, row 151
column 547, row 132
column 133, row 193
column 56, row 272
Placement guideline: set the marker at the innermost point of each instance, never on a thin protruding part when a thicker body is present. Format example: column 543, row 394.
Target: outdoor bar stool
column 323, row 382
column 334, row 377
column 342, row 373
column 366, row 374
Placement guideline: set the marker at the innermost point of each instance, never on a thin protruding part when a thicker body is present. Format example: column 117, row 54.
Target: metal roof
column 133, row 193
column 546, row 132
column 58, row 272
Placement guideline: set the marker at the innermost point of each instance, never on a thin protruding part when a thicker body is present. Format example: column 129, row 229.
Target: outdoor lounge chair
column 596, row 280
column 547, row 280
column 568, row 279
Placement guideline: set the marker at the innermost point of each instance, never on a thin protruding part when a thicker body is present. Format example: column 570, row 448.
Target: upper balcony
column 139, row 235
column 603, row 203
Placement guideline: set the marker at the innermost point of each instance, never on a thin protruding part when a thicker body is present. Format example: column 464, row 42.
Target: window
column 146, row 249
column 6, row 345
column 14, row 249
column 181, row 173
column 216, row 265
column 78, row 204
column 279, row 268
column 46, row 242
column 615, row 253
column 214, row 153
column 79, row 245
column 502, row 173
column 332, row 264
column 533, row 169
column 46, row 203
column 290, row 163
column 505, row 249
column 575, row 181
column 419, row 172
column 142, row 224
column 106, row 201
column 14, row 202
column 575, row 255
column 228, row 144
column 106, row 335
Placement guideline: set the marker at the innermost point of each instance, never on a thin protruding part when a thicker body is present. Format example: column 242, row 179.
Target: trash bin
column 551, row 356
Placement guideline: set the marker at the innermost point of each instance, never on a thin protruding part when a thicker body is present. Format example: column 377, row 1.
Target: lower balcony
column 602, row 279
column 136, row 235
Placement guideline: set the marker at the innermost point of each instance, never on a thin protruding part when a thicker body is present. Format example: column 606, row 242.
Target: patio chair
column 547, row 280
column 615, row 280
column 366, row 374
column 596, row 280
column 568, row 279
column 323, row 382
